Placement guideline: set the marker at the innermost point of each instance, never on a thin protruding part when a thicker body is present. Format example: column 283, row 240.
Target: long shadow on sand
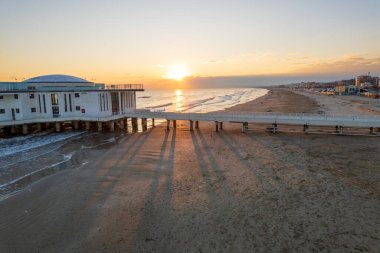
column 115, row 170
column 228, row 195
column 265, row 180
column 164, row 167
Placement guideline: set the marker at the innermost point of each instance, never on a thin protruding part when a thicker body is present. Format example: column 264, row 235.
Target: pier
column 131, row 119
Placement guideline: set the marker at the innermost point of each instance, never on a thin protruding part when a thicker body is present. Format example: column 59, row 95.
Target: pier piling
column 216, row 126
column 244, row 127
column 100, row 126
column 76, row 125
column 274, row 128
column 221, row 125
column 191, row 125
column 25, row 129
column 111, row 126
column 125, row 123
column 144, row 124
column 153, row 125
column 135, row 127
column 39, row 127
column 121, row 124
column 305, row 128
column 168, row 124
column 58, row 126
column 87, row 125
column 174, row 124
column 196, row 124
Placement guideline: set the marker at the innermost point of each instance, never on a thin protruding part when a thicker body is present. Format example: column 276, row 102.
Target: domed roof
column 56, row 79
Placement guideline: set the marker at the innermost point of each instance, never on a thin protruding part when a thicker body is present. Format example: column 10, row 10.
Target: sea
column 25, row 159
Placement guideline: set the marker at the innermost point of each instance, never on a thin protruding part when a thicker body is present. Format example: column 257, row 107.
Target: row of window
column 103, row 102
column 31, row 96
column 2, row 111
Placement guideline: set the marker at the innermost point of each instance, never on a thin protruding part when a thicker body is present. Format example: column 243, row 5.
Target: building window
column 33, row 109
column 39, row 102
column 77, row 95
column 107, row 101
column 100, row 102
column 2, row 111
column 65, row 99
column 54, row 99
column 77, row 108
column 104, row 103
column 17, row 110
column 43, row 97
column 1, row 97
column 16, row 96
column 71, row 107
column 31, row 95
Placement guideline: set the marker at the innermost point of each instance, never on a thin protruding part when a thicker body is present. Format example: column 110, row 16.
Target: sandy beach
column 202, row 191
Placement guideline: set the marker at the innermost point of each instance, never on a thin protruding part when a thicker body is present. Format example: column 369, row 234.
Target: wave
column 159, row 106
column 18, row 145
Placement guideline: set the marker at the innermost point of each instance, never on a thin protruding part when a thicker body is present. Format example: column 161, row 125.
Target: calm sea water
column 195, row 100
column 18, row 154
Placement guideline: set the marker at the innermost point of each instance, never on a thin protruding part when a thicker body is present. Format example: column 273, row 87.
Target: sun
column 177, row 72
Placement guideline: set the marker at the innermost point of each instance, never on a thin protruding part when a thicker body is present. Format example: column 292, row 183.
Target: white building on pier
column 60, row 96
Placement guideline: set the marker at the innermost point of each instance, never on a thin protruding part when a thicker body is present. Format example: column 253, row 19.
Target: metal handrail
column 124, row 86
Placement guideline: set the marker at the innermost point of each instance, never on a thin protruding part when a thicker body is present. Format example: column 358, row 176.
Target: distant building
column 62, row 96
column 366, row 80
column 340, row 89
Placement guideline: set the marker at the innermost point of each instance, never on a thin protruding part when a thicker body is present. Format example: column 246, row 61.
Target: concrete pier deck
column 274, row 119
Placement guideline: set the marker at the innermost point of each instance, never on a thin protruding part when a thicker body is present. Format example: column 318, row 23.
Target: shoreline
column 205, row 191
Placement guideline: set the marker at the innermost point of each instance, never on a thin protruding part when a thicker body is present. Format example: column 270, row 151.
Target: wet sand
column 202, row 191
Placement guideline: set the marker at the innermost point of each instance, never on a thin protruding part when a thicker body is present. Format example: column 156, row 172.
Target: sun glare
column 177, row 72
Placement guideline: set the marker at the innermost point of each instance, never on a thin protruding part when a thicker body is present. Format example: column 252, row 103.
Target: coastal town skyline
column 196, row 42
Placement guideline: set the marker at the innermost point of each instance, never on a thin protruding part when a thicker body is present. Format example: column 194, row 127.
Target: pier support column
column 76, row 125
column 121, row 124
column 244, row 127
column 191, row 125
column 125, row 123
column 144, row 124
column 135, row 126
column 174, row 124
column 216, row 126
column 13, row 129
column 153, row 124
column 58, row 126
column 100, row 126
column 88, row 126
column 39, row 127
column 25, row 129
column 371, row 130
column 221, row 125
column 305, row 128
column 341, row 130
column 196, row 124
column 111, row 125
column 274, row 128
column 168, row 124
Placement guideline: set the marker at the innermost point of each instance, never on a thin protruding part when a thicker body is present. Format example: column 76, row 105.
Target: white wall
column 8, row 102
column 89, row 101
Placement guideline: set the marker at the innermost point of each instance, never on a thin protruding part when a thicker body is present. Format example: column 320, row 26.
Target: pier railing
column 267, row 118
column 237, row 117
column 124, row 86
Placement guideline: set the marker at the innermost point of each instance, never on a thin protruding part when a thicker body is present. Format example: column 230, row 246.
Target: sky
column 121, row 41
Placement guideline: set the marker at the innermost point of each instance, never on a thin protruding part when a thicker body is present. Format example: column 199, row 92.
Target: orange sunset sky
column 178, row 43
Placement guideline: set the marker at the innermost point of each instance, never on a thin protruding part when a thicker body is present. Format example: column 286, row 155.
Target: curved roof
column 56, row 79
